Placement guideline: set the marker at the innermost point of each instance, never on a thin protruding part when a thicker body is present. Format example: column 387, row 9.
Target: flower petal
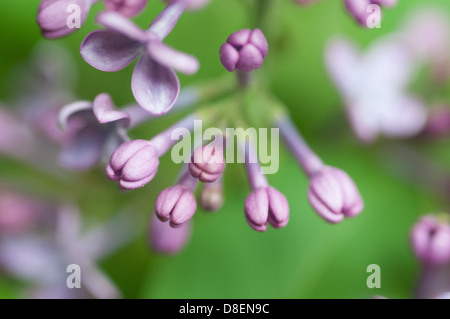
column 71, row 109
column 109, row 51
column 172, row 58
column 84, row 152
column 105, row 112
column 120, row 24
column 155, row 87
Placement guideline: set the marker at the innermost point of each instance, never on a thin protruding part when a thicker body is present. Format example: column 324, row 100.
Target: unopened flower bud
column 266, row 205
column 133, row 164
column 177, row 204
column 430, row 240
column 334, row 195
column 207, row 162
column 54, row 16
column 244, row 50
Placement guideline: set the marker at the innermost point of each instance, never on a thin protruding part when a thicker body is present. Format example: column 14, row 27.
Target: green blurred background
column 226, row 258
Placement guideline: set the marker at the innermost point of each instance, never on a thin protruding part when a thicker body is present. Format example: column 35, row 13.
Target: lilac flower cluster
column 98, row 129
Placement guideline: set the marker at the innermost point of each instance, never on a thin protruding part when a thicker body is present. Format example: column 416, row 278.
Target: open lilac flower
column 244, row 50
column 427, row 36
column 374, row 88
column 177, row 203
column 332, row 193
column 265, row 204
column 168, row 240
column 128, row 8
column 135, row 163
column 93, row 129
column 430, row 240
column 155, row 85
column 53, row 16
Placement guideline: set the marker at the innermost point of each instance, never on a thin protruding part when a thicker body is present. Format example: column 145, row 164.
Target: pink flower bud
column 334, row 195
column 244, row 50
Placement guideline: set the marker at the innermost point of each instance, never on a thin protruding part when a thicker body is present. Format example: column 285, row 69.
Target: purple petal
column 342, row 60
column 258, row 39
column 142, row 164
column 164, row 23
column 172, row 58
column 136, row 184
column 166, row 201
column 323, row 210
column 120, row 24
column 105, row 112
column 257, row 207
column 84, row 152
column 229, row 56
column 328, row 190
column 53, row 15
column 109, row 51
column 166, row 239
column 184, row 209
column 155, row 87
column 278, row 208
column 239, row 38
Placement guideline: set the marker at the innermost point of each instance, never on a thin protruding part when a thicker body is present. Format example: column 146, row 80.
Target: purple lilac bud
column 135, row 163
column 177, row 203
column 192, row 4
column 53, row 16
column 358, row 9
column 211, row 196
column 374, row 86
column 244, row 50
column 128, row 8
column 166, row 239
column 154, row 83
column 430, row 240
column 332, row 193
column 207, row 162
column 265, row 203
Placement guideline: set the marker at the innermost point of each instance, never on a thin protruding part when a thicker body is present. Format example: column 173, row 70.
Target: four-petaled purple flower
column 155, row 85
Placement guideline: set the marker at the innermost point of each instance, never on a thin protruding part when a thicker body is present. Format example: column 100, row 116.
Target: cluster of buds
column 98, row 129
